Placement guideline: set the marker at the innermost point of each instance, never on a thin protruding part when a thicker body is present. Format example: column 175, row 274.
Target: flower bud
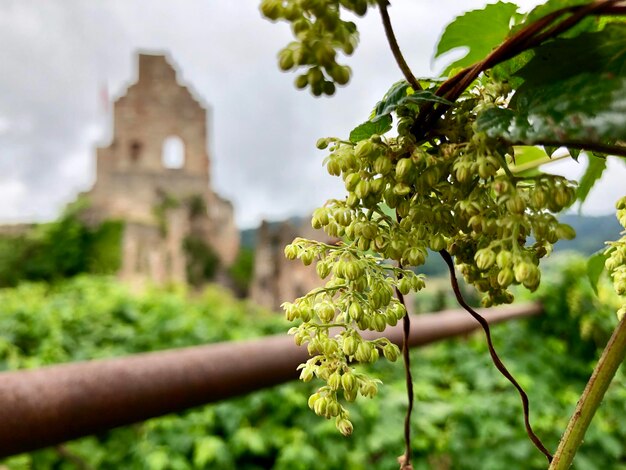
column 355, row 311
column 401, row 189
column 312, row 399
column 484, row 258
column 368, row 388
column 362, row 189
column 348, row 382
column 323, row 269
column 524, row 271
column 340, row 73
column 320, row 215
column 380, row 322
column 565, row 232
column 403, row 169
column 333, row 167
column 398, row 310
column 391, row 352
column 349, row 345
column 404, row 286
column 382, row 165
column 462, row 173
column 301, row 81
column 370, row 230
column 538, row 198
column 363, row 352
column 353, row 270
column 307, row 258
column 306, row 374
column 503, row 259
column 325, row 311
column 291, row 311
column 291, row 252
column 516, row 204
column 320, row 406
column 334, row 409
column 344, row 426
column 350, row 395
column 351, row 181
column 437, row 242
column 376, row 186
column 364, row 149
column 271, row 9
column 562, row 196
column 285, row 59
column 505, row 277
column 334, row 381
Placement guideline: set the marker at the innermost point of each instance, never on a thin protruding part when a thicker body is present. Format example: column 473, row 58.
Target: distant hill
column 591, row 233
column 248, row 236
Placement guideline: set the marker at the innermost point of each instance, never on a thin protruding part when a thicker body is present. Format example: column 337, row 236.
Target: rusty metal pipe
column 47, row 406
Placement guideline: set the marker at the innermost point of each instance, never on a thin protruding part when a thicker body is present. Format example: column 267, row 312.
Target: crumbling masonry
column 154, row 175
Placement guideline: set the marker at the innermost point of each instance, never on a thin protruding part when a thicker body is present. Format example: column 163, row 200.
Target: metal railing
column 54, row 404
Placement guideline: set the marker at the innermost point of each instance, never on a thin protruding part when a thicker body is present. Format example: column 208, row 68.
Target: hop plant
column 456, row 196
column 319, row 34
column 616, row 260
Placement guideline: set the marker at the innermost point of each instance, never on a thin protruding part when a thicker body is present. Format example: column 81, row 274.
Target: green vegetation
column 466, row 415
column 460, row 176
column 61, row 249
column 242, row 270
column 202, row 261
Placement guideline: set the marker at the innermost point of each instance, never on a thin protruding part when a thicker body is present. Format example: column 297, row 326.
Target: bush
column 61, row 249
column 467, row 416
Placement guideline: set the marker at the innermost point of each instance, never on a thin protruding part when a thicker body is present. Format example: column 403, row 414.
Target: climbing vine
column 452, row 167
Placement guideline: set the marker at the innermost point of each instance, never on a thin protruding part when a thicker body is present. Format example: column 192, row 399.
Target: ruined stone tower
column 277, row 279
column 154, row 175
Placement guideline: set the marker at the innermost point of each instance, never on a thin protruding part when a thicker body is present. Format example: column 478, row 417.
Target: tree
column 460, row 178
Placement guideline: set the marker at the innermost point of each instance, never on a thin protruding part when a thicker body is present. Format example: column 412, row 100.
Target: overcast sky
column 57, row 56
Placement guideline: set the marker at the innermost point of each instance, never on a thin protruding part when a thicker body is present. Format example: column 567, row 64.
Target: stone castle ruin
column 277, row 279
column 155, row 176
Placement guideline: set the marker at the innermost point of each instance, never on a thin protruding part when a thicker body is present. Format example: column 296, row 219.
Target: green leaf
column 574, row 153
column 586, row 108
column 525, row 154
column 401, row 94
column 550, row 149
column 390, row 101
column 540, row 11
column 594, row 171
column 597, row 53
column 479, row 31
column 369, row 128
column 421, row 96
column 595, row 266
column 572, row 92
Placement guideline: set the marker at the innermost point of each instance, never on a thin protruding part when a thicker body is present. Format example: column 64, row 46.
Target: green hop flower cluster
column 616, row 261
column 359, row 295
column 455, row 196
column 404, row 197
column 319, row 33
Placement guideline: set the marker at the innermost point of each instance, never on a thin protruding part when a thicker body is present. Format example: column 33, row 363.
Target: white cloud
column 59, row 54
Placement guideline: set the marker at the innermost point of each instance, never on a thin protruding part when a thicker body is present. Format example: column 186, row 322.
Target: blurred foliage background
column 467, row 416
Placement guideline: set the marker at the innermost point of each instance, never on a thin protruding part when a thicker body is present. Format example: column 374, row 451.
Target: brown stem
column 616, row 150
column 406, row 330
column 494, row 356
column 395, row 48
column 528, row 37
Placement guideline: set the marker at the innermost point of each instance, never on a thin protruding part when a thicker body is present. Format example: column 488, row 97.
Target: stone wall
column 277, row 279
column 137, row 183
